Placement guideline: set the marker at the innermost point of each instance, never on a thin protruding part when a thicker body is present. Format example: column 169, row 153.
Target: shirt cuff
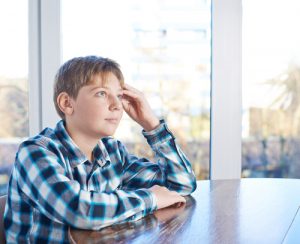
column 149, row 199
column 158, row 135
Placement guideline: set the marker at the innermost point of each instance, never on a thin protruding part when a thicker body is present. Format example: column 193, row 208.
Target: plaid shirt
column 53, row 185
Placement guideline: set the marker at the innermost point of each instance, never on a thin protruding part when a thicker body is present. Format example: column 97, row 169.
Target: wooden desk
column 293, row 234
column 224, row 211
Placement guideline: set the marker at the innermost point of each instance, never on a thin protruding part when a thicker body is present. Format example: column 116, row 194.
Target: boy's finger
column 130, row 94
column 127, row 98
column 125, row 105
column 182, row 199
column 128, row 87
column 179, row 204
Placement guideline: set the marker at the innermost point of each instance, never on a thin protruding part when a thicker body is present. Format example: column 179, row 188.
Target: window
column 13, row 83
column 271, row 83
column 164, row 48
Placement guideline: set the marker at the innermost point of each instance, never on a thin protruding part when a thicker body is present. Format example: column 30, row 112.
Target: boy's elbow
column 194, row 185
column 185, row 186
column 189, row 188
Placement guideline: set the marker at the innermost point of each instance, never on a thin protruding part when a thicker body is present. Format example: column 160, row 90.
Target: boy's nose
column 116, row 103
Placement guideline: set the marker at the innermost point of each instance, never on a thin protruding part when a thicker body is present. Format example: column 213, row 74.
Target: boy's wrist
column 159, row 135
column 156, row 130
column 149, row 200
column 151, row 125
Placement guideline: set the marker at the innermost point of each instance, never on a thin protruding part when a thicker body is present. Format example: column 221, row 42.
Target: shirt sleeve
column 171, row 169
column 43, row 178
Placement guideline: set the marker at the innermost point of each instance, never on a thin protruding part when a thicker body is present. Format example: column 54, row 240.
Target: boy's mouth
column 112, row 120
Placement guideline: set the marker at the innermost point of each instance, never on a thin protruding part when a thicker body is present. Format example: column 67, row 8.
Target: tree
column 288, row 84
column 13, row 108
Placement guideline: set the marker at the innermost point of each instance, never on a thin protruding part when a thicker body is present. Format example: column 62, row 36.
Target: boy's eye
column 101, row 94
column 120, row 97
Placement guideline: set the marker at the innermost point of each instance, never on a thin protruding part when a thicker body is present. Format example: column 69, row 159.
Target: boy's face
column 98, row 107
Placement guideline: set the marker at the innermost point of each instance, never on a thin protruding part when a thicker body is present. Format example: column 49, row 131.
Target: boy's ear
column 64, row 103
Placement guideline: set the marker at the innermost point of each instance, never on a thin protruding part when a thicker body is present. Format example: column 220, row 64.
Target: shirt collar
column 100, row 154
column 75, row 155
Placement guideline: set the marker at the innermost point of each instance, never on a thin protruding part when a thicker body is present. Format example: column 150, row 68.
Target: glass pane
column 164, row 50
column 271, row 89
column 13, row 83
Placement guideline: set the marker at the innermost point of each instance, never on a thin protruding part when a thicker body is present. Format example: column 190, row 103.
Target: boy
column 77, row 175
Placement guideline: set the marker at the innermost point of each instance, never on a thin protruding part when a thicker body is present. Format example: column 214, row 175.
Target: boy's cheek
column 121, row 115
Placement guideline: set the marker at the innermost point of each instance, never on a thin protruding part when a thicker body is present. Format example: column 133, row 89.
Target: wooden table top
column 220, row 211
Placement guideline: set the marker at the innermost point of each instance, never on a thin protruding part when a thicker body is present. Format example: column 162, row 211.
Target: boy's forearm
column 95, row 210
column 63, row 200
column 178, row 170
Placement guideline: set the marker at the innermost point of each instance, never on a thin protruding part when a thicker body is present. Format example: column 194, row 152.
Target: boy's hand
column 138, row 108
column 166, row 214
column 165, row 197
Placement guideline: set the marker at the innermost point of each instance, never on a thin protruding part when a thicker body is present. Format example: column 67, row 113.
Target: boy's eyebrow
column 105, row 87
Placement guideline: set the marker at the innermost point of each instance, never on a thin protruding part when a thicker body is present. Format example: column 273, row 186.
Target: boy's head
column 88, row 92
column 79, row 72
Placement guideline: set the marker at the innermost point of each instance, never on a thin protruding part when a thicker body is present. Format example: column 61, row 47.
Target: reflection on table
column 224, row 211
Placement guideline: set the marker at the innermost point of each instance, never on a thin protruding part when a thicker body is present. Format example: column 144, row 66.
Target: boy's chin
column 107, row 133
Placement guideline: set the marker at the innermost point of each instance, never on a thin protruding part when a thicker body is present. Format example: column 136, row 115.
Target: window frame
column 44, row 61
column 226, row 99
column 226, row 90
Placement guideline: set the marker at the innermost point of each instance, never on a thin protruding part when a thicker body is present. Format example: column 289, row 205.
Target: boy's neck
column 85, row 143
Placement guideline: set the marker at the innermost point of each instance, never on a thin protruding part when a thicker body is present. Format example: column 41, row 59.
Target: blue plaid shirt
column 54, row 186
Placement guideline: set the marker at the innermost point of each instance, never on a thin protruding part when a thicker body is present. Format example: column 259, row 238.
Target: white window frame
column 226, row 89
column 44, row 61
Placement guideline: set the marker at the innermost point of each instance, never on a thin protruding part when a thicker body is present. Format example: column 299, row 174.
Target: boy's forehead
column 103, row 80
